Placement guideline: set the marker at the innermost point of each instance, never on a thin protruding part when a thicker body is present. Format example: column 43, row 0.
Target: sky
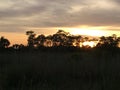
column 89, row 17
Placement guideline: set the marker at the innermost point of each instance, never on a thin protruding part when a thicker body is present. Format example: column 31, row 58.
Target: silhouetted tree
column 108, row 42
column 15, row 46
column 4, row 43
column 39, row 41
column 77, row 40
column 60, row 38
column 48, row 43
column 31, row 38
column 71, row 40
column 18, row 46
column 63, row 32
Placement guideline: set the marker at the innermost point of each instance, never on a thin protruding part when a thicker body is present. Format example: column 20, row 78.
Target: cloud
column 116, row 1
column 57, row 13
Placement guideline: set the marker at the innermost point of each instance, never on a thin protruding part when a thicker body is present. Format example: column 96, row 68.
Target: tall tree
column 60, row 38
column 110, row 41
column 39, row 41
column 31, row 38
column 4, row 43
column 77, row 40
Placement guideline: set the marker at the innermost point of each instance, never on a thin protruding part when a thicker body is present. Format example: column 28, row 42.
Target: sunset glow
column 15, row 38
column 84, row 31
column 60, row 44
column 92, row 31
column 91, row 44
column 19, row 38
column 79, row 17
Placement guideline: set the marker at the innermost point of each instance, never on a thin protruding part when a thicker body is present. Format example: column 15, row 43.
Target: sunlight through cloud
column 85, row 31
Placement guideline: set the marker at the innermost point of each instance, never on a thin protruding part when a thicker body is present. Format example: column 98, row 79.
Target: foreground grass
column 88, row 70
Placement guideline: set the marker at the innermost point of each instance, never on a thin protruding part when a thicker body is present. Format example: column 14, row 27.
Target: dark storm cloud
column 60, row 13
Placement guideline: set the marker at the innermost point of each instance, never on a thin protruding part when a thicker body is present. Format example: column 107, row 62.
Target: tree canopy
column 4, row 43
column 62, row 39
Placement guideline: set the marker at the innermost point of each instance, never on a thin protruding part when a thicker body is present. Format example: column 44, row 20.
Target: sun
column 91, row 44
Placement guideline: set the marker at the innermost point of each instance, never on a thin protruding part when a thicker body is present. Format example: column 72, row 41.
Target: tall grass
column 86, row 70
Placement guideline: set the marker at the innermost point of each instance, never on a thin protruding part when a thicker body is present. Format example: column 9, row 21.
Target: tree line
column 60, row 39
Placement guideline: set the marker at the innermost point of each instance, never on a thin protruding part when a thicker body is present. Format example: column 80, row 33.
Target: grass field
column 86, row 70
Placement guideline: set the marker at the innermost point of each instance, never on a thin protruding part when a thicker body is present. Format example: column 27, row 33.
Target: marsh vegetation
column 86, row 70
